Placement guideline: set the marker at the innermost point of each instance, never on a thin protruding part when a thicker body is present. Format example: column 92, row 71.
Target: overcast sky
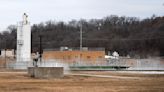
column 65, row 10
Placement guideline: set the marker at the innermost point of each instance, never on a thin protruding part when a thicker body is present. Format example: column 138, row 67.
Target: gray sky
column 65, row 10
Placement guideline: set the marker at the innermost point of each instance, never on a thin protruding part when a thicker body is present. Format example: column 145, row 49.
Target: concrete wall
column 46, row 72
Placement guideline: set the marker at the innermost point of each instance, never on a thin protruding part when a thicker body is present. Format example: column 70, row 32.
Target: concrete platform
column 46, row 72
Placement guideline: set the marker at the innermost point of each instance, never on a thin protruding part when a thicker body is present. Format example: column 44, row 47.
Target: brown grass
column 21, row 82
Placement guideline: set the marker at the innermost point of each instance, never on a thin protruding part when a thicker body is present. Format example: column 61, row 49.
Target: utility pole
column 81, row 42
column 15, row 48
column 81, row 37
column 40, row 48
column 5, row 54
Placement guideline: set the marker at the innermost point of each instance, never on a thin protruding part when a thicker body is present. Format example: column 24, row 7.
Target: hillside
column 127, row 35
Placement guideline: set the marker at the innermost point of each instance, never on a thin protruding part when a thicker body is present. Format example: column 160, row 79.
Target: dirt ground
column 11, row 81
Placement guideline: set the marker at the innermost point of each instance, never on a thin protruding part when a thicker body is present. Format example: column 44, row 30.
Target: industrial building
column 87, row 55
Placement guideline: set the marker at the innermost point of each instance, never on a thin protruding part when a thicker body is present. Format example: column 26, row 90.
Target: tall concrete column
column 23, row 43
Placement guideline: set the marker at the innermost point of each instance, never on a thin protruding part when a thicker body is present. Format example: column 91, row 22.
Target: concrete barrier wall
column 46, row 72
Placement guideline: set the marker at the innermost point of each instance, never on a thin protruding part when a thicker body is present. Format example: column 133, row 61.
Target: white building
column 7, row 53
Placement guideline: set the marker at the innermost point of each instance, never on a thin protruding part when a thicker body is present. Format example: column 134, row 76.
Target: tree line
column 126, row 35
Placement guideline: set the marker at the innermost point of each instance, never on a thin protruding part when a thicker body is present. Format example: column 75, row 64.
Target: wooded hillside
column 127, row 35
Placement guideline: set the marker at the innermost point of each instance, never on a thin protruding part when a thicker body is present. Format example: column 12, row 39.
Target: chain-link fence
column 127, row 63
